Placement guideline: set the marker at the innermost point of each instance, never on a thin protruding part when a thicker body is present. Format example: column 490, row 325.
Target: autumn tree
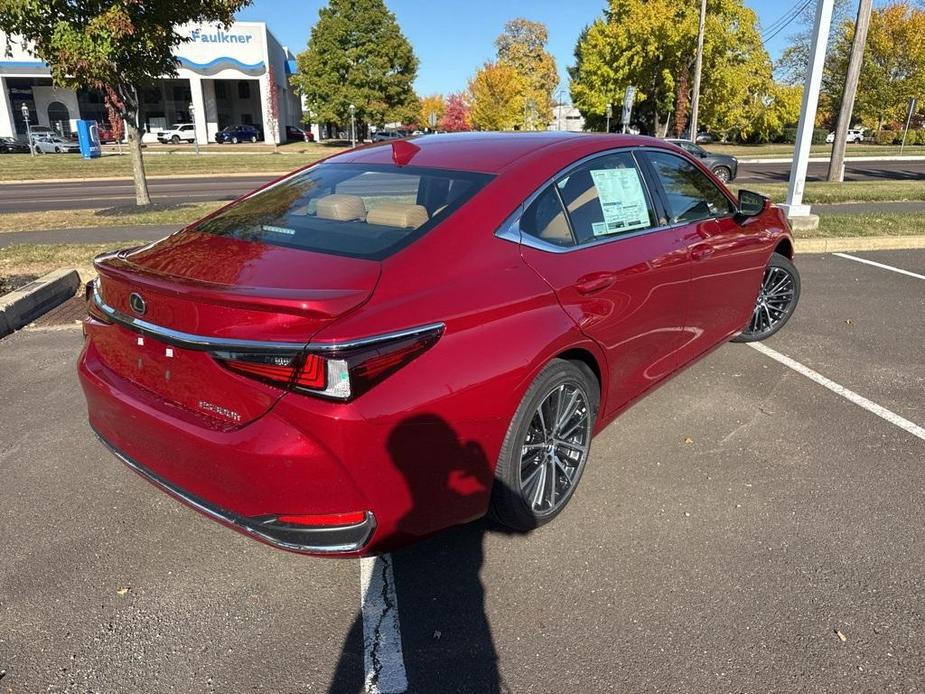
column 358, row 55
column 650, row 44
column 113, row 46
column 431, row 107
column 893, row 69
column 496, row 97
column 455, row 114
column 522, row 46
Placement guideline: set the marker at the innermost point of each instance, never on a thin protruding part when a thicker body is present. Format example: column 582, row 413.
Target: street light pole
column 353, row 126
column 192, row 116
column 559, row 117
column 25, row 115
column 698, row 68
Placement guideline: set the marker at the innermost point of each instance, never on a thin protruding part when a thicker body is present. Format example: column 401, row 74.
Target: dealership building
column 223, row 78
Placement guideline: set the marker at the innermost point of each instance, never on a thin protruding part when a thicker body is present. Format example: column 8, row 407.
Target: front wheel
column 234, row 140
column 546, row 446
column 175, row 139
column 723, row 174
column 777, row 299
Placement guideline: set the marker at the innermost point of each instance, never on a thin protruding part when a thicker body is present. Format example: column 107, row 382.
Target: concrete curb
column 24, row 305
column 860, row 243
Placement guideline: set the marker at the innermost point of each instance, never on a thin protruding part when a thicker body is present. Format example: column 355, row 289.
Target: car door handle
column 595, row 282
column 702, row 251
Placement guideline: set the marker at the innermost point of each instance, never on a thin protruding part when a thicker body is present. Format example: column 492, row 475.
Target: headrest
column 397, row 214
column 342, row 208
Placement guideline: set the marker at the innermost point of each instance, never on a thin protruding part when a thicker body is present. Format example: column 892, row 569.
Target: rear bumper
column 310, row 540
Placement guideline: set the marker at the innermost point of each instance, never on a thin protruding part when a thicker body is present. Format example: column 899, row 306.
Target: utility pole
column 698, row 68
column 837, row 162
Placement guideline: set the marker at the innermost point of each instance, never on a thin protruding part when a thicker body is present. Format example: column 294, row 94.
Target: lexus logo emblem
column 137, row 303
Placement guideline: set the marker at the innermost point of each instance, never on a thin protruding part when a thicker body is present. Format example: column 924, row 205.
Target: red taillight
column 341, row 373
column 306, row 371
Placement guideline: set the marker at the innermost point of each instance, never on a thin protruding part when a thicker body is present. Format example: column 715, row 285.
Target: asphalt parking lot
column 745, row 528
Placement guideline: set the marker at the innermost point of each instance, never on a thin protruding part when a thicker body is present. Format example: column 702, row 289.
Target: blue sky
column 452, row 39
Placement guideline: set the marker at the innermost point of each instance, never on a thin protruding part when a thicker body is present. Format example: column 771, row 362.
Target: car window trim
column 657, row 182
column 509, row 230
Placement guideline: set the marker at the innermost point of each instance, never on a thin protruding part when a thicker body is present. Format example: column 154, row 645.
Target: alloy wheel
column 774, row 300
column 722, row 173
column 555, row 448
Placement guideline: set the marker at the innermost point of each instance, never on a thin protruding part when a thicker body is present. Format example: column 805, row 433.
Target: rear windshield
column 360, row 211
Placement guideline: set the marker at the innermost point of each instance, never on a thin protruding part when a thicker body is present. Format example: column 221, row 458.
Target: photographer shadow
column 446, row 638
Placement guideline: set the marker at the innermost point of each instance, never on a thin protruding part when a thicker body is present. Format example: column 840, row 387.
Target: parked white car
column 854, row 135
column 177, row 133
column 48, row 144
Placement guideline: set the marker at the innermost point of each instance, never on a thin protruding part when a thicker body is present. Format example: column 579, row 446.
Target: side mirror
column 751, row 204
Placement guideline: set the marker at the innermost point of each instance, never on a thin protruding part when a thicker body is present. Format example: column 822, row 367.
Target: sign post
column 628, row 98
column 609, row 114
column 908, row 120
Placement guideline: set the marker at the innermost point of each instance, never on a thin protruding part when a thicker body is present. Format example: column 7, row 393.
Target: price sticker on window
column 622, row 200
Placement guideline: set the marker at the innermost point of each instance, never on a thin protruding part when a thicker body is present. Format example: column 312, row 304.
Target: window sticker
column 623, row 201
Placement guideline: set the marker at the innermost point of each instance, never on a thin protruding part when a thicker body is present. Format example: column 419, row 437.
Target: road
column 743, row 528
column 32, row 197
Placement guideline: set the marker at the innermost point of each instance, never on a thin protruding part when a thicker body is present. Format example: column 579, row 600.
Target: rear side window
column 690, row 195
column 602, row 198
column 361, row 211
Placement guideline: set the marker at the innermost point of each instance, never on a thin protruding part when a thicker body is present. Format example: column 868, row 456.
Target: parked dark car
column 294, row 134
column 723, row 166
column 238, row 133
column 9, row 145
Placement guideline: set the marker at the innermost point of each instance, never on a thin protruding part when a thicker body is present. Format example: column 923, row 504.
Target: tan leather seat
column 341, row 208
column 404, row 215
column 557, row 230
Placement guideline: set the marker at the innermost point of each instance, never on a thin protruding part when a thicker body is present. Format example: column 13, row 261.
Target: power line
column 790, row 17
column 773, row 25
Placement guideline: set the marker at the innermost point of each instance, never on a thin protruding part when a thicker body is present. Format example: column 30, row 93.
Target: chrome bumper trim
column 252, row 526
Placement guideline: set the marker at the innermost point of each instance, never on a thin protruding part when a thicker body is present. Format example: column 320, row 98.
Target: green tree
column 522, row 45
column 115, row 46
column 893, row 69
column 650, row 44
column 496, row 97
column 358, row 55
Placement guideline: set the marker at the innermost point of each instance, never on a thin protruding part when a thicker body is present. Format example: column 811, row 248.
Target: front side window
column 361, row 211
column 690, row 195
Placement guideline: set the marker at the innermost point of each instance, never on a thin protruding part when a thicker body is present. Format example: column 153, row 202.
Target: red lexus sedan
column 406, row 336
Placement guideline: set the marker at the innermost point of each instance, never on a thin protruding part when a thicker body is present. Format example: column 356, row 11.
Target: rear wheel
column 777, row 299
column 723, row 173
column 546, row 446
column 253, row 138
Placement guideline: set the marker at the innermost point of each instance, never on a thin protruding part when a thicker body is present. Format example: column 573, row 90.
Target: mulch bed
column 10, row 283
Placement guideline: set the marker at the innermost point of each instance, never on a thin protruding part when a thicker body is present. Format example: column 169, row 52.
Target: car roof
column 492, row 152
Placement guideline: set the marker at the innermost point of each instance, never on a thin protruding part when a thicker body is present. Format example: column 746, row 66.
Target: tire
column 522, row 476
column 772, row 315
column 253, row 138
column 175, row 140
column 723, row 173
column 235, row 140
column 57, row 150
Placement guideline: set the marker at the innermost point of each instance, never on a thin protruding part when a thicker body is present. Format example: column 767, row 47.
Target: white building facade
column 224, row 78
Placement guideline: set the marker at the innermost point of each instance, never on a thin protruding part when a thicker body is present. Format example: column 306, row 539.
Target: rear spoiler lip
column 300, row 302
column 205, row 343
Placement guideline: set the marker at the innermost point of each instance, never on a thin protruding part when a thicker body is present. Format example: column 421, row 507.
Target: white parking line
column 382, row 652
column 880, row 265
column 850, row 395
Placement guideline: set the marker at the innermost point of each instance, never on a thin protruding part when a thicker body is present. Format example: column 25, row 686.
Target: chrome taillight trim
column 204, row 343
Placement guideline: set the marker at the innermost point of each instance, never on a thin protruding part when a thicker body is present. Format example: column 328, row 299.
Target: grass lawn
column 821, row 192
column 38, row 259
column 117, row 216
column 166, row 161
column 782, row 150
column 893, row 224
